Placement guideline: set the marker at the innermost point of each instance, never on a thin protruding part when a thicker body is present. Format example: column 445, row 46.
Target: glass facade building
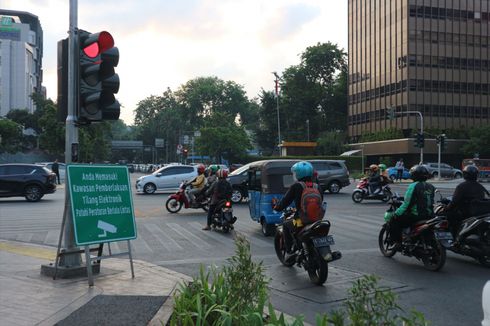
column 431, row 56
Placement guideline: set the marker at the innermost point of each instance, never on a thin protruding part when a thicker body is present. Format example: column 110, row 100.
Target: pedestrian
column 56, row 169
column 399, row 169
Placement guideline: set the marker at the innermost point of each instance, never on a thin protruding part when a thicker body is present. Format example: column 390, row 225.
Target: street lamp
column 277, row 106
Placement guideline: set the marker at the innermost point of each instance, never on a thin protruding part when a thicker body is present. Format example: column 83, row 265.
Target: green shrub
column 236, row 295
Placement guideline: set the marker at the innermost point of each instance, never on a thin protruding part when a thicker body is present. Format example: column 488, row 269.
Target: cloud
column 165, row 43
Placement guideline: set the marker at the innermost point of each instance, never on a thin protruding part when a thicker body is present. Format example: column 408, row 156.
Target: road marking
column 191, row 237
column 165, row 240
column 36, row 252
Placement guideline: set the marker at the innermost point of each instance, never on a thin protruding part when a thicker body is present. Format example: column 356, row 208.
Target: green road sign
column 101, row 203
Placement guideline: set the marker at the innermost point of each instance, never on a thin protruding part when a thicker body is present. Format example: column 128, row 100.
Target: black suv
column 26, row 180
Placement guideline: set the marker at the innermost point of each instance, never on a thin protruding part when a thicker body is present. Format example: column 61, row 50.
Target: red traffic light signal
column 97, row 79
column 185, row 152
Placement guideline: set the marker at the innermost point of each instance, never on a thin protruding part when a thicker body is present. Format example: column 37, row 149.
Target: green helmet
column 214, row 168
column 382, row 167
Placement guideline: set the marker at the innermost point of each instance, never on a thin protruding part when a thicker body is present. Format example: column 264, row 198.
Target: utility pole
column 308, row 128
column 277, row 107
column 69, row 263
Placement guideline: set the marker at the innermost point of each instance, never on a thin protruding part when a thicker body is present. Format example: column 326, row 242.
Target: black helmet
column 419, row 173
column 470, row 172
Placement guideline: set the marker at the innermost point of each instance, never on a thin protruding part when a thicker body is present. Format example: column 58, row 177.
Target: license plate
column 443, row 235
column 323, row 241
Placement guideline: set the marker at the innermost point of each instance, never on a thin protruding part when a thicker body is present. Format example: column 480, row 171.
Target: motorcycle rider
column 374, row 179
column 303, row 174
column 417, row 205
column 384, row 174
column 467, row 191
column 219, row 190
column 198, row 183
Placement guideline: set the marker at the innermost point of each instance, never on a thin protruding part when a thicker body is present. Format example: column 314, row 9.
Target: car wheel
column 458, row 175
column 149, row 188
column 267, row 229
column 33, row 193
column 334, row 187
column 434, row 174
column 236, row 196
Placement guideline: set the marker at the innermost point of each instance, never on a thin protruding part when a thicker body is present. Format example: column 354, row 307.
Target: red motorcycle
column 362, row 192
column 176, row 201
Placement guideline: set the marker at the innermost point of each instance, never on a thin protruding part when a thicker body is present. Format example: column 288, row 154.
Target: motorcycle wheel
column 485, row 238
column 173, row 206
column 386, row 249
column 280, row 248
column 318, row 275
column 226, row 229
column 357, row 197
column 386, row 196
column 436, row 260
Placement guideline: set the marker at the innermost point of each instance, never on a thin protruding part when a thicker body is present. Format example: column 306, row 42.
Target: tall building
column 21, row 53
column 430, row 56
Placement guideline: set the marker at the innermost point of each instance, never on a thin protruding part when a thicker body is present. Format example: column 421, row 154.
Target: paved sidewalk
column 29, row 298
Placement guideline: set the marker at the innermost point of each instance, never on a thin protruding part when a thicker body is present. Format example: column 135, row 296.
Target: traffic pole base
column 68, row 271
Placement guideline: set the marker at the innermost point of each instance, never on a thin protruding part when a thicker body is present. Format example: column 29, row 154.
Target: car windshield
column 240, row 170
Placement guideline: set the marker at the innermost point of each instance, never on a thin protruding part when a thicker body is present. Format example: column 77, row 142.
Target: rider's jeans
column 288, row 229
column 210, row 214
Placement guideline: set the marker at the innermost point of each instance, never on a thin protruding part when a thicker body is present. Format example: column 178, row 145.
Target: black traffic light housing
column 419, row 140
column 441, row 141
column 98, row 81
column 185, row 151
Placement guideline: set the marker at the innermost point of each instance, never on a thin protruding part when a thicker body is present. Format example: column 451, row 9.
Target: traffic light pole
column 71, row 134
column 439, row 160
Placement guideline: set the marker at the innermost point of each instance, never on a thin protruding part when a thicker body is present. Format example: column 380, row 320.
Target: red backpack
column 311, row 204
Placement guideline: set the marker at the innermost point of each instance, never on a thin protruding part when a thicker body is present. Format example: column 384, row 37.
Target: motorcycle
column 472, row 237
column 223, row 216
column 312, row 248
column 422, row 240
column 176, row 201
column 362, row 192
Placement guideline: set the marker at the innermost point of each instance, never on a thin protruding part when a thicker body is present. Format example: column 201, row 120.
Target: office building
column 430, row 56
column 21, row 52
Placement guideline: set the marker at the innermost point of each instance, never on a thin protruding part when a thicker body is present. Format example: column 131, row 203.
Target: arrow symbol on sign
column 106, row 227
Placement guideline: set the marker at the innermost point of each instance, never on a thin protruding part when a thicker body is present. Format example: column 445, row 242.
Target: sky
column 165, row 43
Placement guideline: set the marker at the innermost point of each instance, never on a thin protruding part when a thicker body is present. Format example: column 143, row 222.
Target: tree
column 331, row 143
column 52, row 132
column 10, row 136
column 221, row 137
column 479, row 142
column 314, row 90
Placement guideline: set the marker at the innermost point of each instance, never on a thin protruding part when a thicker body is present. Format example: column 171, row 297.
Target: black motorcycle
column 223, row 216
column 421, row 240
column 472, row 237
column 312, row 248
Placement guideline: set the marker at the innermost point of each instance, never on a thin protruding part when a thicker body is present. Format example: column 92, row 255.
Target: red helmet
column 200, row 169
column 222, row 174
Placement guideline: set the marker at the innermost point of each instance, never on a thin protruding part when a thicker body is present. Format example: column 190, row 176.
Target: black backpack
column 223, row 189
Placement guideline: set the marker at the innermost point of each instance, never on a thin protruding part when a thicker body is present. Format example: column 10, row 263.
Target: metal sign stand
column 89, row 259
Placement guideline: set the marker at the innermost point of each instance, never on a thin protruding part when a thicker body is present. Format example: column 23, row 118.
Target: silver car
column 447, row 171
column 167, row 178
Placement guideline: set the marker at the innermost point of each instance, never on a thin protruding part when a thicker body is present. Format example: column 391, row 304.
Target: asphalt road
column 451, row 296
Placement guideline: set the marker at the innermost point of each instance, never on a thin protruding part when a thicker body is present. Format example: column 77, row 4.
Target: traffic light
column 441, row 141
column 97, row 80
column 419, row 140
column 185, row 152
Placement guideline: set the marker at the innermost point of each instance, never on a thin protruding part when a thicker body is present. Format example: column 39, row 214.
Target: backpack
column 311, row 204
column 224, row 189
